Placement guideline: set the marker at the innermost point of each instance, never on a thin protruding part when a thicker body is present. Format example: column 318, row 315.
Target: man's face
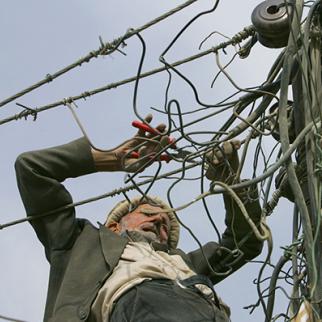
column 154, row 226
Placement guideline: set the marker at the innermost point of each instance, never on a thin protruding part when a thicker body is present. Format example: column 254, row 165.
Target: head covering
column 124, row 207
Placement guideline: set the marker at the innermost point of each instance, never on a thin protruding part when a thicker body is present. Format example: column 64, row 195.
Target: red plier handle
column 162, row 157
column 142, row 126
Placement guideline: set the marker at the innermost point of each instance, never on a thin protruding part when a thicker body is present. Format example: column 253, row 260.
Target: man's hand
column 146, row 145
column 223, row 162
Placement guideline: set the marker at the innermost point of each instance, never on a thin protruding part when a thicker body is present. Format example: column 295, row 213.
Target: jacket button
column 82, row 314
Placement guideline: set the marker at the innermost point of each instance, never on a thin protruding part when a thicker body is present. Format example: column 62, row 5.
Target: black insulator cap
column 272, row 20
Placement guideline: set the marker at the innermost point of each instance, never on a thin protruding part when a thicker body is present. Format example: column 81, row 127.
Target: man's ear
column 114, row 226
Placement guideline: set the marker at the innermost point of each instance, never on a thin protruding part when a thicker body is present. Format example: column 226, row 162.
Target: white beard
column 141, row 236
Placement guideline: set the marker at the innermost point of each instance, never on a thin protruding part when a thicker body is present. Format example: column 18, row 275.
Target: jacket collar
column 112, row 246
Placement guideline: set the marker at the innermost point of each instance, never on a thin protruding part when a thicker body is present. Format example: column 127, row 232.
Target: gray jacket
column 82, row 256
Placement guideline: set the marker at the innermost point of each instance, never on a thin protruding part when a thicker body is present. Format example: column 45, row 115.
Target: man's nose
column 155, row 218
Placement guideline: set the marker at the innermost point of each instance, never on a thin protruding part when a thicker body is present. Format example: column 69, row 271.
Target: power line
column 6, row 318
column 239, row 37
column 104, row 49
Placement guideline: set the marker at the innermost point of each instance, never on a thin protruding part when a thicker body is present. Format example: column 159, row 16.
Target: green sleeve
column 39, row 176
column 238, row 237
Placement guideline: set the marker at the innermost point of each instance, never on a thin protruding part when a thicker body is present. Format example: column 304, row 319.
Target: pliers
column 167, row 157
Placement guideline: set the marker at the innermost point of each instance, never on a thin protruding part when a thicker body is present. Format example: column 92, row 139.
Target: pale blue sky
column 40, row 37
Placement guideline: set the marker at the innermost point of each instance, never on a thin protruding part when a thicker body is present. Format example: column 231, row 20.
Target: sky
column 41, row 37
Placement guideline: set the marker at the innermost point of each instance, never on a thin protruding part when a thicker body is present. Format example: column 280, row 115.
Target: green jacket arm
column 39, row 176
column 238, row 237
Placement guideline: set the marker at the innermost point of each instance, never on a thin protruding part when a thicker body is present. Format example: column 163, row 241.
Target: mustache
column 154, row 227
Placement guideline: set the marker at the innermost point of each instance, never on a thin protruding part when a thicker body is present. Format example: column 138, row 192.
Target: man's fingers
column 161, row 127
column 236, row 144
column 143, row 151
column 215, row 156
column 164, row 141
column 230, row 147
column 132, row 165
column 147, row 119
column 144, row 132
column 146, row 156
column 226, row 151
column 223, row 161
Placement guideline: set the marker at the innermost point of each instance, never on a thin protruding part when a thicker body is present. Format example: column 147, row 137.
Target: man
column 129, row 268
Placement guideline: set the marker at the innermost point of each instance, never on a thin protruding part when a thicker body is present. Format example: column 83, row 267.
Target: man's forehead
column 148, row 206
column 148, row 210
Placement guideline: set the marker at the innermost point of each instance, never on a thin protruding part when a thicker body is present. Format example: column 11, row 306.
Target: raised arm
column 238, row 235
column 40, row 175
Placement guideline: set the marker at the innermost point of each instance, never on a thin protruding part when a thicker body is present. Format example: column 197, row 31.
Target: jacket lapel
column 112, row 246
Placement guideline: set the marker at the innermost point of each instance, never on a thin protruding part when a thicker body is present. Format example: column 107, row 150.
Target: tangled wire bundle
column 253, row 114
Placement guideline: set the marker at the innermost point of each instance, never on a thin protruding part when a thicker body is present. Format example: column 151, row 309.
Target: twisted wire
column 299, row 264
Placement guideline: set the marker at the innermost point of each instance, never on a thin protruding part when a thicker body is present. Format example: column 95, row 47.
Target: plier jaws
column 167, row 157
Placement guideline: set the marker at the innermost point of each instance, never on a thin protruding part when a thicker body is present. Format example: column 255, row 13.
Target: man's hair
column 126, row 206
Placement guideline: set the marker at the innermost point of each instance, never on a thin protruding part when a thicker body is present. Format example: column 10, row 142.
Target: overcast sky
column 40, row 37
